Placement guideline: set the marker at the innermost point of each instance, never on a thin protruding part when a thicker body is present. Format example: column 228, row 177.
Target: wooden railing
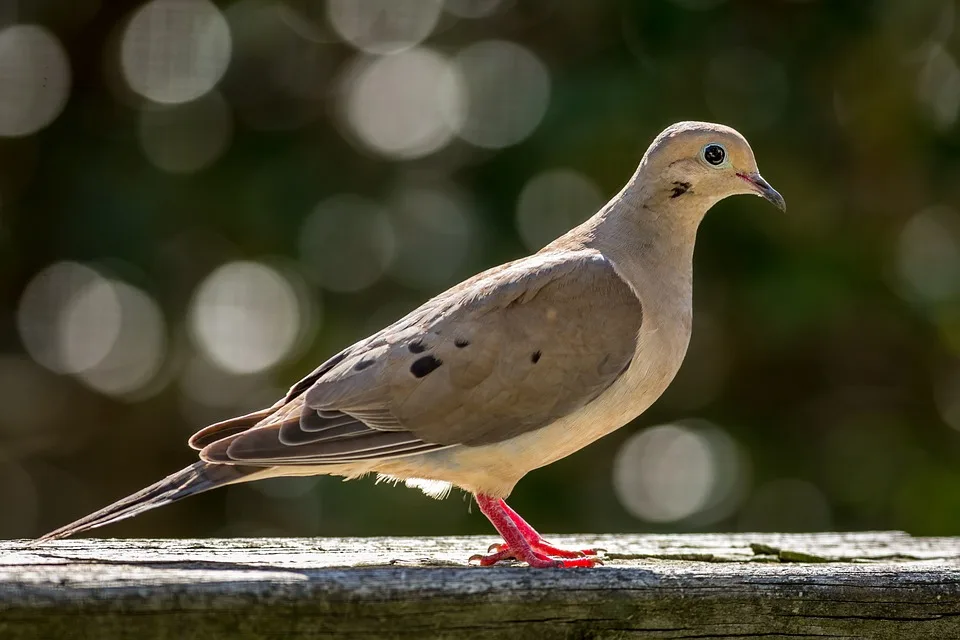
column 867, row 585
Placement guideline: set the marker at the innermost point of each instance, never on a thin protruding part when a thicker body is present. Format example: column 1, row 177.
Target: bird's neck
column 649, row 235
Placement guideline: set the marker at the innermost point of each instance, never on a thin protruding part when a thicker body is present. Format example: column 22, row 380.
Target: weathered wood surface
column 869, row 585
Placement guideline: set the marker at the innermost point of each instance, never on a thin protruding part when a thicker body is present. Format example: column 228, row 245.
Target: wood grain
column 867, row 585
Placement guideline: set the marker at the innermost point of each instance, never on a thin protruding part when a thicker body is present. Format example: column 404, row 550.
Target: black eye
column 714, row 154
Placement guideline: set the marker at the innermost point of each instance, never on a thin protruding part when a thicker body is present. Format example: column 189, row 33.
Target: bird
column 510, row 370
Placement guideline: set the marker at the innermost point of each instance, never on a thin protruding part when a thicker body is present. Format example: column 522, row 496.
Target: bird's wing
column 506, row 352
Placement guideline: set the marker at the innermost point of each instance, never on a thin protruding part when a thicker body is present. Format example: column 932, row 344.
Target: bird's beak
column 763, row 189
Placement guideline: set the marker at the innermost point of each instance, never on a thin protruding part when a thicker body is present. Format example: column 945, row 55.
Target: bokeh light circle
column 693, row 471
column 552, row 203
column 384, row 26
column 112, row 336
column 89, row 326
column 175, row 51
column 245, row 317
column 42, row 306
column 138, row 348
column 507, row 93
column 664, row 473
column 403, row 106
column 34, row 79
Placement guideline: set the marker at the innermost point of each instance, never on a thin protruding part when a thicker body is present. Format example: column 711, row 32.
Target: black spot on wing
column 535, row 357
column 460, row 343
column 416, row 347
column 424, row 366
column 680, row 188
column 363, row 364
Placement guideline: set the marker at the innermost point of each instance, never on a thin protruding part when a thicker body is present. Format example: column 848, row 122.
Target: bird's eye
column 714, row 154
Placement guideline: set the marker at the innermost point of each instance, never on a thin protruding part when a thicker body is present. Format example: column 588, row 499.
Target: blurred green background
column 199, row 203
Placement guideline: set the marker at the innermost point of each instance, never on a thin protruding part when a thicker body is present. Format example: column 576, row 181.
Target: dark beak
column 763, row 189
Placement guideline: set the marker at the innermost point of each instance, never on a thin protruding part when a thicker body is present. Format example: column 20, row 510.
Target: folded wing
column 506, row 352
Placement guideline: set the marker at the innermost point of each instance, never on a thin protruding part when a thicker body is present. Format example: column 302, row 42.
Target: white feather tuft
column 433, row 488
column 382, row 477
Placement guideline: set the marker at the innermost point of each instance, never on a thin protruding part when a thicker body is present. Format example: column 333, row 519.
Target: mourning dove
column 506, row 372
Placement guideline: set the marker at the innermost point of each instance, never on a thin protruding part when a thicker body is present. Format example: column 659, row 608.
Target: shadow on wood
column 869, row 585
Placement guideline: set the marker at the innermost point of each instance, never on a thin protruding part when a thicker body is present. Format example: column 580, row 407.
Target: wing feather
column 507, row 352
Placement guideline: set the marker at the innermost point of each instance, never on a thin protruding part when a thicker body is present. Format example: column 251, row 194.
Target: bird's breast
column 658, row 356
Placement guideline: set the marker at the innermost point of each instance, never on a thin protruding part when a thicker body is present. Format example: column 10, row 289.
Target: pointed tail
column 196, row 478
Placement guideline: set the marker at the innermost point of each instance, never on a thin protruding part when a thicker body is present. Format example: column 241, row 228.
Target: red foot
column 534, row 559
column 523, row 543
column 538, row 543
column 543, row 547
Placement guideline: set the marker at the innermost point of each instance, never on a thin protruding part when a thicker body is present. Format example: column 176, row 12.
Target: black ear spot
column 460, row 343
column 535, row 357
column 424, row 365
column 416, row 347
column 363, row 364
column 680, row 188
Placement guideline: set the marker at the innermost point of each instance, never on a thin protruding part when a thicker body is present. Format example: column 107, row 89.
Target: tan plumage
column 510, row 370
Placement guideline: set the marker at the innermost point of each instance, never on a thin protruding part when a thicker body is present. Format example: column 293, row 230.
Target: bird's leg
column 517, row 546
column 538, row 543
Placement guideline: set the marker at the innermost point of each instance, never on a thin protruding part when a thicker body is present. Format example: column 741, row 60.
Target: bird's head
column 702, row 163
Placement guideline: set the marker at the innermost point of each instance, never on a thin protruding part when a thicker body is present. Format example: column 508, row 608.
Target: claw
column 493, row 558
column 496, row 547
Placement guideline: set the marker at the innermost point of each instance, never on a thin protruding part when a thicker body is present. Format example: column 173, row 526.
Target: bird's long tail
column 196, row 478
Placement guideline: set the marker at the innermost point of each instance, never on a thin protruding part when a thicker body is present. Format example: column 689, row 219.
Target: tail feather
column 196, row 478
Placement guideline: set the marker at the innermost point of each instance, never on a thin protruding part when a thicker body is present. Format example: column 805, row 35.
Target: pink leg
column 536, row 540
column 517, row 545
